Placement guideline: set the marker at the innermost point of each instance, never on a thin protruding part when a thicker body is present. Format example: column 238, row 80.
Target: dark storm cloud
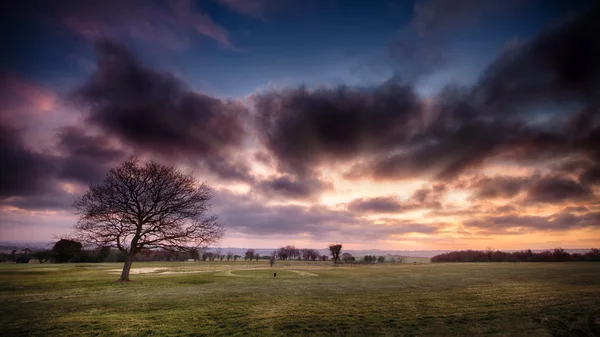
column 396, row 136
column 560, row 65
column 293, row 187
column 506, row 209
column 576, row 209
column 28, row 179
column 303, row 128
column 23, row 172
column 87, row 158
column 390, row 204
column 502, row 187
column 559, row 221
column 591, row 175
column 558, row 190
column 31, row 178
column 443, row 151
column 55, row 199
column 155, row 112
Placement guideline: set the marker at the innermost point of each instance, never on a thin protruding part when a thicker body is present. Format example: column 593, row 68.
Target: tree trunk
column 126, row 268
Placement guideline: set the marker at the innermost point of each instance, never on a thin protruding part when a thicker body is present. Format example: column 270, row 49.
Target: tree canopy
column 143, row 206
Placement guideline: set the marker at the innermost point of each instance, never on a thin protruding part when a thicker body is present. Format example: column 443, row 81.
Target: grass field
column 243, row 298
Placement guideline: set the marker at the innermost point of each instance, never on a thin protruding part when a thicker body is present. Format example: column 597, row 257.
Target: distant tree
column 556, row 255
column 560, row 255
column 211, row 256
column 103, row 254
column 146, row 206
column 335, row 250
column 195, row 254
column 249, row 255
column 324, row 258
column 282, row 253
column 235, row 257
column 309, row 254
column 381, row 259
column 43, row 256
column 229, row 256
column 592, row 255
column 256, row 257
column 221, row 257
column 66, row 250
column 272, row 260
column 347, row 257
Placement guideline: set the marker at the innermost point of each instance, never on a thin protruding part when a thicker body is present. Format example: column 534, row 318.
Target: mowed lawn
column 243, row 298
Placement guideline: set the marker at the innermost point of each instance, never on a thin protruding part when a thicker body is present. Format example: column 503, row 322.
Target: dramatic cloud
column 391, row 204
column 399, row 137
column 493, row 119
column 294, row 188
column 23, row 172
column 378, row 205
column 503, row 187
column 87, row 158
column 304, row 128
column 28, row 179
column 252, row 217
column 512, row 153
column 558, row 190
column 522, row 223
column 156, row 113
column 591, row 175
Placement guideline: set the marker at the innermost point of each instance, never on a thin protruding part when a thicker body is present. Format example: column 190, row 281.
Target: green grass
column 306, row 298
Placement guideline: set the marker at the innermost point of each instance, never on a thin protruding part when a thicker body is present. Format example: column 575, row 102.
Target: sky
column 409, row 125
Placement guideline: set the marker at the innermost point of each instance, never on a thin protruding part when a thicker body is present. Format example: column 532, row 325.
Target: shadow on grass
column 573, row 325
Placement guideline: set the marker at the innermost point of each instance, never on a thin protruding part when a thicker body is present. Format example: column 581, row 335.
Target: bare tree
column 249, row 255
column 335, row 250
column 309, row 254
column 146, row 206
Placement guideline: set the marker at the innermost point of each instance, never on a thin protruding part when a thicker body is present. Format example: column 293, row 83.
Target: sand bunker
column 302, row 273
column 223, row 270
column 144, row 270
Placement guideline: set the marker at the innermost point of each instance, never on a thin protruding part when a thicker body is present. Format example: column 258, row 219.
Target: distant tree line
column 293, row 253
column 556, row 255
column 373, row 259
column 67, row 250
